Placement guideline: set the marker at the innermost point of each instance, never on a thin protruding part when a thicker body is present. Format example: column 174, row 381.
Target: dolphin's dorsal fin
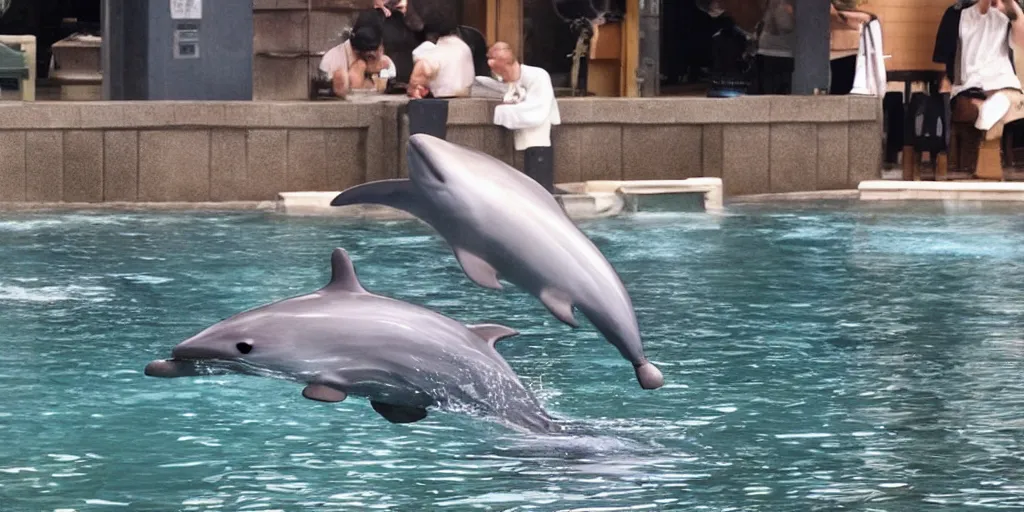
column 343, row 273
column 492, row 333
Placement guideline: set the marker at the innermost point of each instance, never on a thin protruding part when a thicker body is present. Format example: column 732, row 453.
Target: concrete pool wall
column 91, row 152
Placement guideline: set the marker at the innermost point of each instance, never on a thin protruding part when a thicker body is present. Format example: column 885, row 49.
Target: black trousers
column 844, row 70
column 429, row 116
column 772, row 75
column 539, row 164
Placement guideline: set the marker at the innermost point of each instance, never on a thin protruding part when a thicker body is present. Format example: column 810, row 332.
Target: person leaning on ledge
column 442, row 69
column 352, row 64
column 528, row 108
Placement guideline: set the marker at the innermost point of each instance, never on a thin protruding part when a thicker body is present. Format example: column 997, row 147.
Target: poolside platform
column 886, row 190
column 580, row 200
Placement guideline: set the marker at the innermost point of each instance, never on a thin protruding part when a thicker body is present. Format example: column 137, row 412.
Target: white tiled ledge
column 887, row 190
column 583, row 200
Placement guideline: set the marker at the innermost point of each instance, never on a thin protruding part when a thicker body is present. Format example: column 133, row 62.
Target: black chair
column 895, row 117
column 478, row 45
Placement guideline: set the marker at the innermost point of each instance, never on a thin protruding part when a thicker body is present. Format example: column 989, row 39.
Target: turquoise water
column 815, row 359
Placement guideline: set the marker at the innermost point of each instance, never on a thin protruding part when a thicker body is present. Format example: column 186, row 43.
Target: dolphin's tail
column 396, row 193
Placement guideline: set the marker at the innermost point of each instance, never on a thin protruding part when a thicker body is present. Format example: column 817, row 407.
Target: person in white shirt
column 441, row 69
column 528, row 108
column 974, row 43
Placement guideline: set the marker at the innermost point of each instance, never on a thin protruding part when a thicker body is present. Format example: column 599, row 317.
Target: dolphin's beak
column 187, row 360
column 186, row 350
column 171, row 368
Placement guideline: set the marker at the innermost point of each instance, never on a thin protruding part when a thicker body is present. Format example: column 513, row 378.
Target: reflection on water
column 814, row 358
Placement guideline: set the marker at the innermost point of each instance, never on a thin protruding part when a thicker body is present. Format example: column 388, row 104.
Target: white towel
column 870, row 78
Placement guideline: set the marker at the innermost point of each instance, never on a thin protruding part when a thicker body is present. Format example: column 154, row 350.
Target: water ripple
column 815, row 359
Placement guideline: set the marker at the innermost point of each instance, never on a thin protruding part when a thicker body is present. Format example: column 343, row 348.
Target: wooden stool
column 970, row 152
column 990, row 162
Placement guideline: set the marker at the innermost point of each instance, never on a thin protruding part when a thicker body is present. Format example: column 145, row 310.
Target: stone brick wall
column 755, row 144
column 247, row 151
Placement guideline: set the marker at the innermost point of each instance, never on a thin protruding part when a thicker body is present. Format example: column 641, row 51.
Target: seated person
column 442, row 69
column 973, row 41
column 352, row 64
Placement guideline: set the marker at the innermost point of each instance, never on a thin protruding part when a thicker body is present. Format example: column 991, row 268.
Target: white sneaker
column 992, row 111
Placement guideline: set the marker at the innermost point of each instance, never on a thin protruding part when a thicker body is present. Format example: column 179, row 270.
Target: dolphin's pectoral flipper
column 478, row 270
column 396, row 193
column 399, row 413
column 559, row 304
column 323, row 393
column 492, row 333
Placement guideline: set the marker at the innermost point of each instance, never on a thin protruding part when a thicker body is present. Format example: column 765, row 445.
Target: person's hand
column 379, row 4
column 1013, row 7
column 1009, row 7
column 417, row 91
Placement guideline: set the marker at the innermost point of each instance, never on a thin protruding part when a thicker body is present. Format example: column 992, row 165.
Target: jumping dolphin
column 342, row 340
column 499, row 221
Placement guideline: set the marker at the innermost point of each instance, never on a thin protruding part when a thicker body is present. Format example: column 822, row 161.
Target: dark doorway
column 686, row 33
column 548, row 41
column 50, row 21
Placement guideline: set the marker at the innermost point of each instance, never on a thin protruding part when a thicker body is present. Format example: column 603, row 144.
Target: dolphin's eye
column 244, row 347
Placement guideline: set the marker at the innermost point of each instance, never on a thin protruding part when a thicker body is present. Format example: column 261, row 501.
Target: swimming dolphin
column 499, row 221
column 342, row 340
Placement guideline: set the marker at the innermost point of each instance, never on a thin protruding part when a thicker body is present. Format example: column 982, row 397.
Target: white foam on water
column 61, row 221
column 53, row 293
column 106, row 503
column 28, row 225
column 143, row 278
column 812, row 435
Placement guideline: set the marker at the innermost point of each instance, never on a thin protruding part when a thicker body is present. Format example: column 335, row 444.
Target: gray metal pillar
column 648, row 72
column 811, row 55
column 111, row 52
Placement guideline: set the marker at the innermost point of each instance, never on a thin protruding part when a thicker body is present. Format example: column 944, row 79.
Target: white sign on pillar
column 186, row 9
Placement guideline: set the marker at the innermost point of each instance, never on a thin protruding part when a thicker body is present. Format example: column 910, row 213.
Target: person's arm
column 422, row 73
column 843, row 20
column 357, row 74
column 946, row 39
column 1017, row 25
column 339, row 82
column 533, row 111
column 491, row 84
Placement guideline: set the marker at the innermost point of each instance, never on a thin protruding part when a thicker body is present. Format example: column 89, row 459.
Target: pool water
column 816, row 358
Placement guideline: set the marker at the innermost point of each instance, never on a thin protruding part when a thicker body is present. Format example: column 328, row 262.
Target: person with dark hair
column 443, row 66
column 400, row 37
column 353, row 63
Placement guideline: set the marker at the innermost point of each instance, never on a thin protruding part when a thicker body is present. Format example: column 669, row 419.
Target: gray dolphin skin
column 498, row 221
column 342, row 340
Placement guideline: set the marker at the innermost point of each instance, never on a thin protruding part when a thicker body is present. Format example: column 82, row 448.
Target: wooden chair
column 981, row 153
